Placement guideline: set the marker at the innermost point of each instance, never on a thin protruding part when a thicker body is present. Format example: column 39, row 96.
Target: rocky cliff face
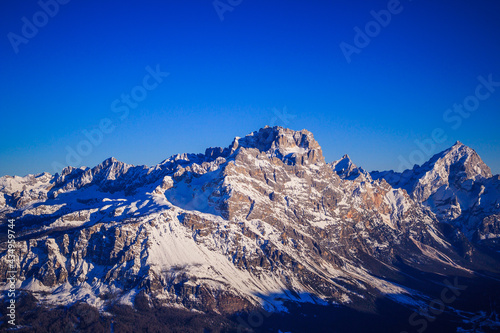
column 259, row 223
column 346, row 169
column 458, row 187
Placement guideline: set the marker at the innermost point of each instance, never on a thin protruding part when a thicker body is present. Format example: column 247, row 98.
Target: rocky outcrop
column 457, row 186
column 263, row 221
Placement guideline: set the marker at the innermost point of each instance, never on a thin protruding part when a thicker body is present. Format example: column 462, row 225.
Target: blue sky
column 229, row 77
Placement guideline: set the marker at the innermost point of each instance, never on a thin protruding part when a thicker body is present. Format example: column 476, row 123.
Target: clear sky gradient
column 71, row 75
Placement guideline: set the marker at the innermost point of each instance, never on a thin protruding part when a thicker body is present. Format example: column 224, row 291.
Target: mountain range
column 262, row 235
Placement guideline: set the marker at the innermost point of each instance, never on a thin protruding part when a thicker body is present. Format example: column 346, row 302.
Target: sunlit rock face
column 261, row 222
column 456, row 185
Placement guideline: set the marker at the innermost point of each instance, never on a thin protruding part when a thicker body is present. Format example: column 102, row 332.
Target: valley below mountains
column 261, row 236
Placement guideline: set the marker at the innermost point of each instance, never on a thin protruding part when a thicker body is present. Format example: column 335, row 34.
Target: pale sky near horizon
column 379, row 81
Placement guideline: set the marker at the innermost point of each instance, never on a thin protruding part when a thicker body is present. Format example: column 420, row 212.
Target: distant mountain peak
column 346, row 169
column 454, row 165
column 460, row 157
column 111, row 160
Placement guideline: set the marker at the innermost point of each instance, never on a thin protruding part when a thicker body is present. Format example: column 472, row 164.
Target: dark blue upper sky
column 233, row 76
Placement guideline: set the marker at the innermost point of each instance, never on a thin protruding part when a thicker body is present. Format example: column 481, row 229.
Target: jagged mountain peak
column 109, row 165
column 298, row 146
column 110, row 160
column 459, row 158
column 277, row 137
column 274, row 141
column 457, row 163
column 346, row 169
column 111, row 168
column 343, row 162
column 455, row 184
column 289, row 145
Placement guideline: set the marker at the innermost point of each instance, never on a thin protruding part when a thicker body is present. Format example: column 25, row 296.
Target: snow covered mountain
column 346, row 169
column 264, row 222
column 458, row 187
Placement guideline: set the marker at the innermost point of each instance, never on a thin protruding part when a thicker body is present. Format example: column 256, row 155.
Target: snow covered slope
column 346, row 169
column 458, row 187
column 261, row 222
